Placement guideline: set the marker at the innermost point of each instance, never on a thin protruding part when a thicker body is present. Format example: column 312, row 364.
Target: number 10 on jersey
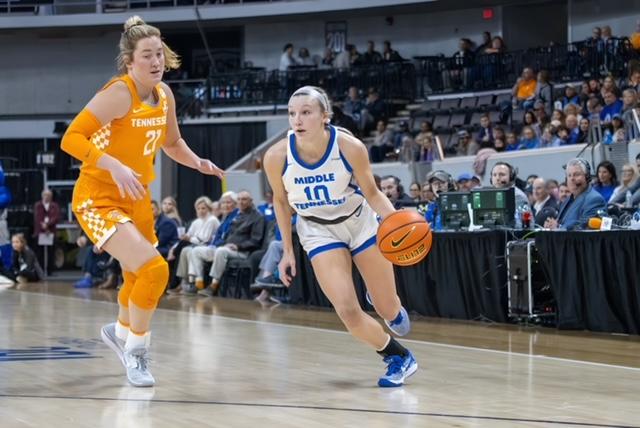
column 317, row 193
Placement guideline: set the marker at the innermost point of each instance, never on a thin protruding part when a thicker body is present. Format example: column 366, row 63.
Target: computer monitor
column 494, row 207
column 453, row 209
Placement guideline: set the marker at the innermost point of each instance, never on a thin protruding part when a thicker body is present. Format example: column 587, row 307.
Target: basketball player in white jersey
column 312, row 171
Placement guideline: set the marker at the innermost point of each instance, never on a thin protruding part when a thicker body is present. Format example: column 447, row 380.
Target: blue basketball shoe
column 398, row 370
column 401, row 325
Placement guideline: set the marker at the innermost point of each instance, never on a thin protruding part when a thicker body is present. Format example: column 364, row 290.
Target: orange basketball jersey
column 134, row 138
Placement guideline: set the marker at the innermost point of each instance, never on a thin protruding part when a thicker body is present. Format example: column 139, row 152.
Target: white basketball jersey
column 324, row 189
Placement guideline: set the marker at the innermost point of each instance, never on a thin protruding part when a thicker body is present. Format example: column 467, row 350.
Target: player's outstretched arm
column 274, row 163
column 112, row 103
column 177, row 149
column 356, row 154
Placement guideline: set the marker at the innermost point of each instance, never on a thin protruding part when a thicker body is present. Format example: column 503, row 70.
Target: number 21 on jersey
column 153, row 136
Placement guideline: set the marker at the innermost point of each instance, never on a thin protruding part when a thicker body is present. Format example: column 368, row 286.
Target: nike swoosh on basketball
column 397, row 243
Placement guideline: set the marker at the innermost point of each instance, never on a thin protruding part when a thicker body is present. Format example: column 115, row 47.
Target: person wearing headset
column 503, row 176
column 584, row 201
column 391, row 187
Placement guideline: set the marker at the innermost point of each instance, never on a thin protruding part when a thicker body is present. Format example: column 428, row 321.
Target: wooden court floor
column 228, row 363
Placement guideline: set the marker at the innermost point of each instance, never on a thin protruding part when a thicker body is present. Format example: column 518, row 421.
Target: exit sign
column 487, row 13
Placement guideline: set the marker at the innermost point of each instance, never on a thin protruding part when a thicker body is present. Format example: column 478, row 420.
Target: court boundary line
column 420, row 342
column 326, row 408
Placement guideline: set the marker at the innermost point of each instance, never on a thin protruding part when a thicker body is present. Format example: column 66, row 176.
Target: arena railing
column 570, row 62
column 69, row 7
column 259, row 86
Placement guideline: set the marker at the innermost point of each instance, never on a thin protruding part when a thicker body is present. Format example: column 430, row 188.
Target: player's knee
column 350, row 314
column 127, row 285
column 151, row 281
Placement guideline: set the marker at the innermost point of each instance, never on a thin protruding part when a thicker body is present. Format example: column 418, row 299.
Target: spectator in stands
column 245, row 235
column 609, row 85
column 166, row 230
column 583, row 203
column 287, row 59
column 584, row 93
column 170, row 210
column 562, row 137
column 497, row 46
column 464, row 182
column 382, row 143
column 414, row 191
column 393, row 189
column 511, row 141
column 629, row 102
column 486, row 43
column 530, row 179
column 344, row 121
column 46, row 215
column 542, row 115
column 498, row 133
column 503, row 176
column 573, row 109
column 583, row 131
column 594, row 87
column 24, row 263
column 404, row 143
column 544, row 205
column 635, row 37
column 613, row 106
column 205, row 253
column 552, row 188
column 529, row 119
column 343, row 59
column 548, row 136
column 466, row 146
column 544, row 91
column 354, row 57
column 427, row 144
column 460, row 73
column 266, row 208
column 606, row 179
column 371, row 56
column 558, row 115
column 563, row 193
column 571, row 123
column 304, row 58
column 267, row 278
column 388, row 54
column 374, row 110
column 593, row 109
column 353, row 105
column 633, row 80
column 328, row 58
column 570, row 96
column 426, row 193
column 629, row 179
column 93, row 264
column 529, row 139
column 500, row 144
column 523, row 94
column 485, row 136
column 199, row 233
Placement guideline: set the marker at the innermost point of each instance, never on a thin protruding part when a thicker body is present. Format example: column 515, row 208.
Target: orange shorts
column 99, row 208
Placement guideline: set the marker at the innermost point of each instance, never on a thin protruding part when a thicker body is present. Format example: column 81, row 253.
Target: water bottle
column 627, row 199
column 519, row 218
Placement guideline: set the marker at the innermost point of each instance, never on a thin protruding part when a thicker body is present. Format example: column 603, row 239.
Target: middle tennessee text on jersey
column 323, row 189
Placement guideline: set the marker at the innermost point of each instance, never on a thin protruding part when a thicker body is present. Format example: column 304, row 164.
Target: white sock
column 385, row 343
column 122, row 331
column 137, row 341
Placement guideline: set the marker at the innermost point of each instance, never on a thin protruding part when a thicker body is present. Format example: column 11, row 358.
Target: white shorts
column 356, row 234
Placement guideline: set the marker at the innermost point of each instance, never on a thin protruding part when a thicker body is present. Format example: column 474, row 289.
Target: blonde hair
column 317, row 93
column 203, row 200
column 135, row 29
column 174, row 214
column 20, row 237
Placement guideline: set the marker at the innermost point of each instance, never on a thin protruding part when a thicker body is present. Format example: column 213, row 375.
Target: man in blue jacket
column 583, row 203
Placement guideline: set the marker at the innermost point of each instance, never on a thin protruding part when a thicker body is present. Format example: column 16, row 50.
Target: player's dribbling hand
column 210, row 168
column 287, row 268
column 127, row 181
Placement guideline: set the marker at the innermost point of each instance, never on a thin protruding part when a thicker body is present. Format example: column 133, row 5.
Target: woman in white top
column 629, row 177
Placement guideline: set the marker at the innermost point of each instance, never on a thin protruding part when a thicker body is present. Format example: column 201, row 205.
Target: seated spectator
column 529, row 139
column 24, row 263
column 354, row 57
column 371, row 55
column 530, row 120
column 287, row 59
column 353, row 105
column 582, row 204
column 404, row 144
column 92, row 265
column 427, row 146
column 266, row 208
column 170, row 210
column 633, row 81
column 374, row 110
column 612, row 106
column 562, row 137
column 583, row 131
column 426, row 193
column 548, row 136
column 466, row 146
column 414, row 191
column 344, row 121
column 206, row 253
column 486, row 43
column 464, row 182
column 503, row 176
column 343, row 59
column 570, row 96
column 558, row 115
column 497, row 46
column 392, row 188
column 609, row 85
column 512, row 142
column 304, row 58
column 199, row 233
column 542, row 115
column 245, row 235
column 571, row 123
column 382, row 143
column 440, row 182
column 500, row 145
column 327, row 58
column 629, row 178
column 544, row 92
column 524, row 91
column 629, row 102
column 388, row 54
column 606, row 179
column 485, row 136
column 552, row 188
column 166, row 230
column 460, row 73
column 544, row 206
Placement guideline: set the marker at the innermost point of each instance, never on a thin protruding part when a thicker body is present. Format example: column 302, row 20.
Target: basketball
column 404, row 238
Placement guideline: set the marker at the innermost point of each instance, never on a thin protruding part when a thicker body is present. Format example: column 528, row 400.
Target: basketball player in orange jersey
column 312, row 171
column 116, row 136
